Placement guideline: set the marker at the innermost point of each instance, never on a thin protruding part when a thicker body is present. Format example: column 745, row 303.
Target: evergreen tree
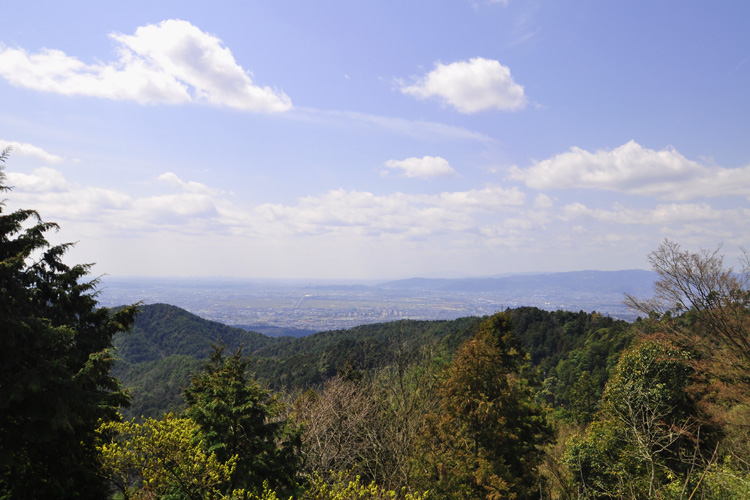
column 240, row 418
column 55, row 382
column 486, row 440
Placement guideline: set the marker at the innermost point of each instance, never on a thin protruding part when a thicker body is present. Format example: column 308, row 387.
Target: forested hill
column 167, row 344
column 164, row 347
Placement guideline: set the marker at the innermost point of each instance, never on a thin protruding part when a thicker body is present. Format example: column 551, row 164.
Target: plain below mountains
column 634, row 281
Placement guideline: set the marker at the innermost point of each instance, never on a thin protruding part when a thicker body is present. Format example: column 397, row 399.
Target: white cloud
column 633, row 169
column 666, row 214
column 194, row 208
column 26, row 149
column 455, row 226
column 543, row 201
column 489, row 198
column 173, row 62
column 425, row 167
column 173, row 180
column 471, row 86
column 395, row 215
column 42, row 180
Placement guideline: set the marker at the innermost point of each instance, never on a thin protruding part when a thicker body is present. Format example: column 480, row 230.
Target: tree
column 368, row 428
column 705, row 307
column 340, row 487
column 647, row 431
column 162, row 458
column 341, row 425
column 240, row 418
column 55, row 360
column 485, row 442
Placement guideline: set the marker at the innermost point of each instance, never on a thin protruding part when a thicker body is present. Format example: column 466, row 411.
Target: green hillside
column 167, row 344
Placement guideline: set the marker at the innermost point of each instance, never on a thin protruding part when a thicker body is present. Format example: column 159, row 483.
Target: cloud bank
column 193, row 207
column 633, row 169
column 173, row 62
column 459, row 223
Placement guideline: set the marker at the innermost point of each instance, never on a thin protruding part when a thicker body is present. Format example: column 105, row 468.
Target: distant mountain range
column 634, row 281
column 299, row 308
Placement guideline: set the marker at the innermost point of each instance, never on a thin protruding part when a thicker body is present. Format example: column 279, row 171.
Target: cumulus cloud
column 633, row 169
column 543, row 201
column 173, row 62
column 171, row 179
column 51, row 194
column 425, row 167
column 489, row 198
column 26, row 149
column 471, row 86
column 41, row 180
column 458, row 223
column 192, row 207
column 366, row 213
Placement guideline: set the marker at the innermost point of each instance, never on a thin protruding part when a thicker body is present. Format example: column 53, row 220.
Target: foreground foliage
column 161, row 458
column 646, row 427
column 55, row 360
column 674, row 417
column 485, row 440
column 338, row 487
column 240, row 421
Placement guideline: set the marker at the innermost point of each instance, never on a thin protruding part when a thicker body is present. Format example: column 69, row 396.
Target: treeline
column 167, row 344
column 520, row 405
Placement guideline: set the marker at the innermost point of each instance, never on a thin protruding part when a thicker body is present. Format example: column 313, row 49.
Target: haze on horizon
column 378, row 139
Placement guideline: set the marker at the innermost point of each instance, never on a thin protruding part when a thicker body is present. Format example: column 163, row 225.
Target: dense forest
column 153, row 402
column 167, row 344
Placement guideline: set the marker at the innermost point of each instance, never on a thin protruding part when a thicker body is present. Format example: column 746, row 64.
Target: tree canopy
column 55, row 381
column 239, row 418
column 484, row 442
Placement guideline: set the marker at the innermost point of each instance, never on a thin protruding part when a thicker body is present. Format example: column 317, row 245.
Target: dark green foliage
column 485, row 440
column 55, row 382
column 239, row 417
column 151, row 356
column 647, row 432
column 584, row 399
column 162, row 330
column 293, row 363
column 165, row 346
column 562, row 345
column 157, row 385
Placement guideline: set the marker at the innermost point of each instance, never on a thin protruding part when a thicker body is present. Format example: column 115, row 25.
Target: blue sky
column 378, row 139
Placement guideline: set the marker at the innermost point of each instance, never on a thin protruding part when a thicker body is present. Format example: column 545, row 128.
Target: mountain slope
column 168, row 344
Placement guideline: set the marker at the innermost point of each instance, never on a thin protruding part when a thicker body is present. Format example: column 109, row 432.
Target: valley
column 294, row 308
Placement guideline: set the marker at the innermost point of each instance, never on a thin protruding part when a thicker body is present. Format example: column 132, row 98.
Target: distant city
column 300, row 308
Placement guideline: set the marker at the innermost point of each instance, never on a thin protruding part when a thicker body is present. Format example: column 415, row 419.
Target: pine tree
column 486, row 440
column 240, row 418
column 55, row 382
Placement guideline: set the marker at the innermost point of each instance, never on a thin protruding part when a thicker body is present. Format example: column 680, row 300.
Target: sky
column 378, row 139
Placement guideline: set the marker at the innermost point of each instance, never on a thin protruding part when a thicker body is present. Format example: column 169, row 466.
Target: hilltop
column 167, row 344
